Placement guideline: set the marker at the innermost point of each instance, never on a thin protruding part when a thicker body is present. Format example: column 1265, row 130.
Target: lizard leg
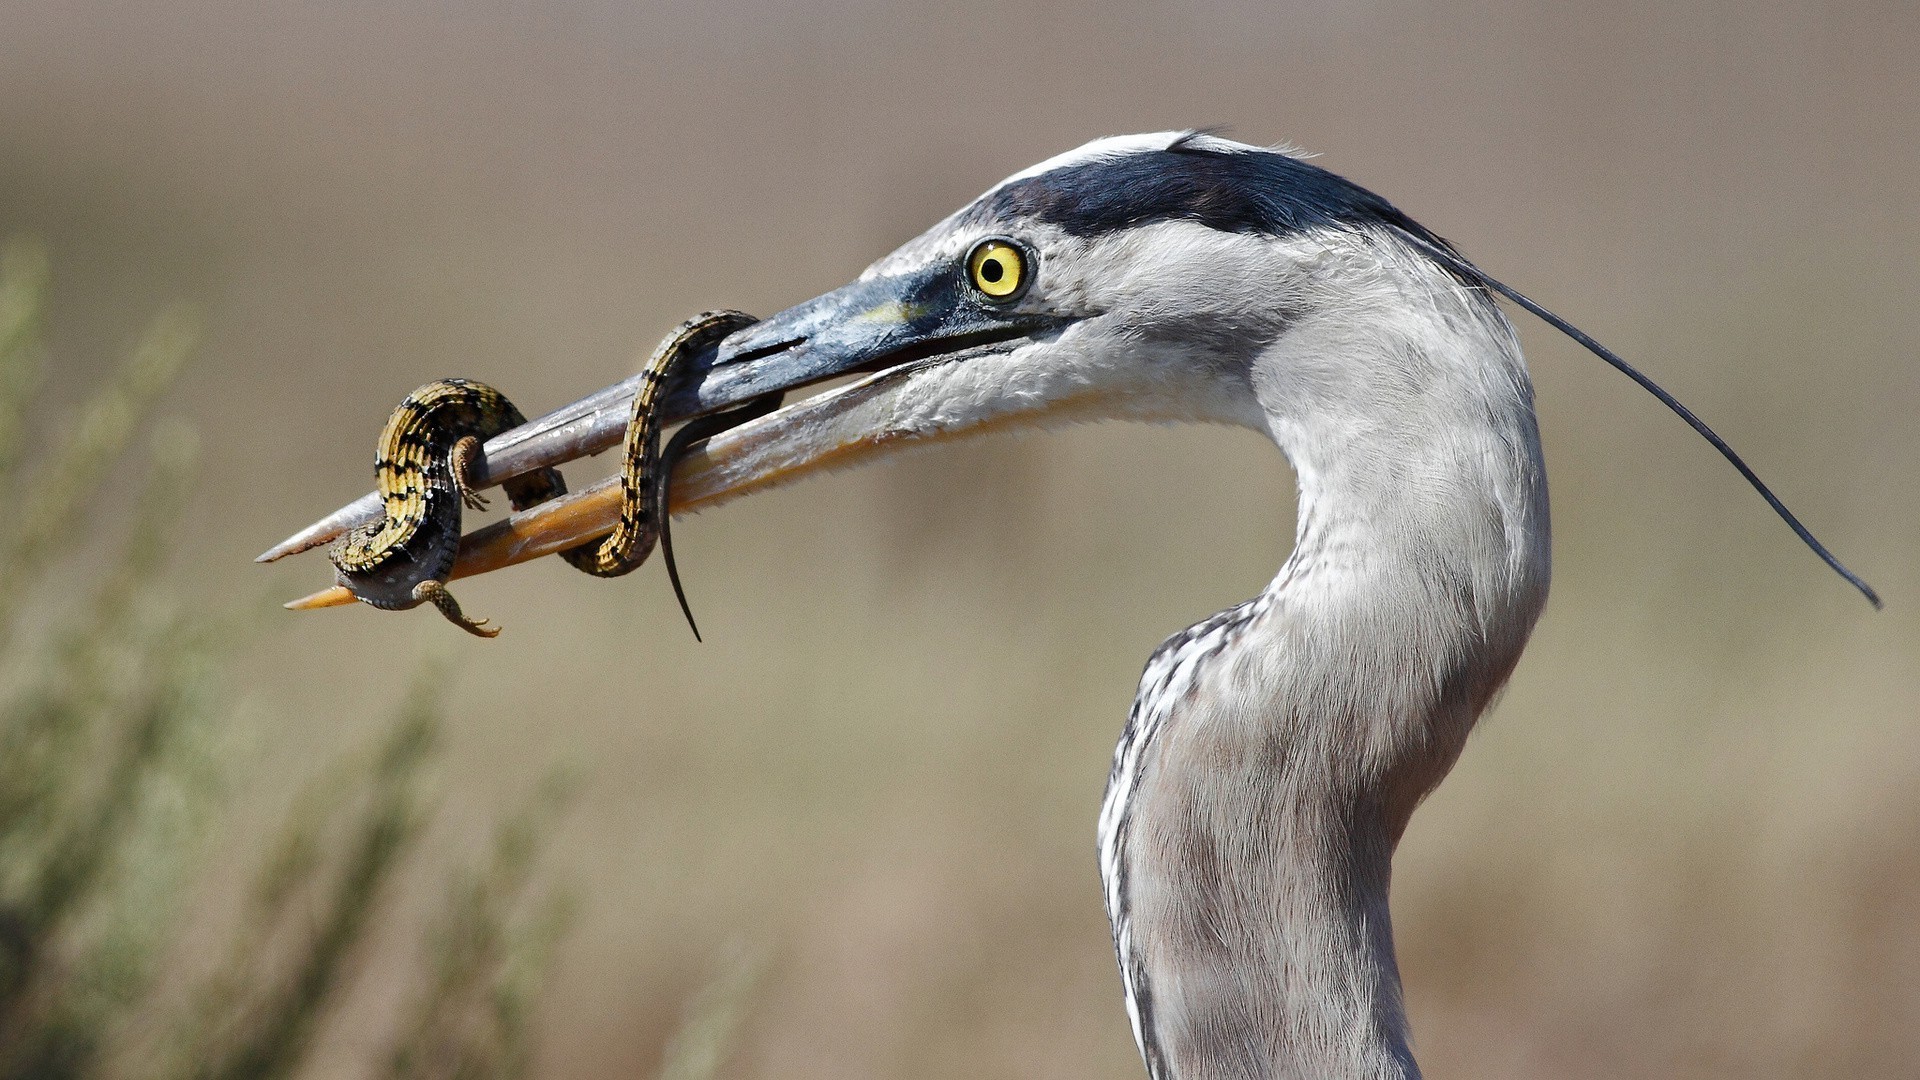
column 465, row 463
column 435, row 593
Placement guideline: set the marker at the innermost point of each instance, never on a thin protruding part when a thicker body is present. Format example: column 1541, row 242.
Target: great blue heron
column 1275, row 751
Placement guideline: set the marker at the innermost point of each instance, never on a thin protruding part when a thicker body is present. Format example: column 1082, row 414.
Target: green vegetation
column 710, row 1026
column 111, row 776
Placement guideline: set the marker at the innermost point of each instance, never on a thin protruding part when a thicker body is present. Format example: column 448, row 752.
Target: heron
column 1276, row 751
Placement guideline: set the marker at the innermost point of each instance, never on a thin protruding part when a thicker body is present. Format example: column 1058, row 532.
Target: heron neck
column 1294, row 736
column 1420, row 565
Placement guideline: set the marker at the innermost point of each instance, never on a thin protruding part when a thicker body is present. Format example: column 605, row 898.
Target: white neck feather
column 1276, row 752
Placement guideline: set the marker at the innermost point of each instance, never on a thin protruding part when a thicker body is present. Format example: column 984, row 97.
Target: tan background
column 1687, row 843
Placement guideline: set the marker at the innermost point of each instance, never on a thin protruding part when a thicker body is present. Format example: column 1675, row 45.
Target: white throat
column 1276, row 751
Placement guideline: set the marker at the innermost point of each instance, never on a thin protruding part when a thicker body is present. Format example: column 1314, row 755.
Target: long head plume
column 1451, row 259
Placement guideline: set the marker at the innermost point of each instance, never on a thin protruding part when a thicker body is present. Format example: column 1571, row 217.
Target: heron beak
column 903, row 333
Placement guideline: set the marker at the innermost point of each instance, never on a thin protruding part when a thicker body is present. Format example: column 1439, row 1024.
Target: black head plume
column 1453, row 261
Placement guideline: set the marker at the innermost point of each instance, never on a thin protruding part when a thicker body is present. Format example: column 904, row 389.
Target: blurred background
column 1685, row 844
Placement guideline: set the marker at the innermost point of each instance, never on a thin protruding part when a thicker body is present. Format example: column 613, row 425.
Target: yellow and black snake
column 427, row 463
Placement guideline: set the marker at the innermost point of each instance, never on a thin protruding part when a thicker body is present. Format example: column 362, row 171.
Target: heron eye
column 997, row 269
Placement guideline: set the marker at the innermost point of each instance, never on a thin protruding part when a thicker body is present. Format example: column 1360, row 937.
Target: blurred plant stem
column 710, row 1025
column 473, row 1018
column 311, row 907
column 102, row 720
column 109, row 770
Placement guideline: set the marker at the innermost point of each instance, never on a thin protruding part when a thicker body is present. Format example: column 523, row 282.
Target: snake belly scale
column 428, row 460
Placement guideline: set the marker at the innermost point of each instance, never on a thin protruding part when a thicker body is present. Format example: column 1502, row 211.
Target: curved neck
column 1277, row 751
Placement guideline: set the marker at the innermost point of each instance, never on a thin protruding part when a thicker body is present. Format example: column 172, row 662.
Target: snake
column 428, row 464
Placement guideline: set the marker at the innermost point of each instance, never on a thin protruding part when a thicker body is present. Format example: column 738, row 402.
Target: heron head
column 1136, row 277
column 1175, row 276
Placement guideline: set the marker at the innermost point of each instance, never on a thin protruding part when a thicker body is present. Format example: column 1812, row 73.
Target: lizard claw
column 465, row 462
column 435, row 593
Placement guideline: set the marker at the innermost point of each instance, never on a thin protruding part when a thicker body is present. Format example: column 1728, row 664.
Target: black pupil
column 991, row 270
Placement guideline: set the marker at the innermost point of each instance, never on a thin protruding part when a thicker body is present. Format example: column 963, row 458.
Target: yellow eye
column 997, row 269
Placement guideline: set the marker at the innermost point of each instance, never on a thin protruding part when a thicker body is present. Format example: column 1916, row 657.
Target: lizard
column 427, row 468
